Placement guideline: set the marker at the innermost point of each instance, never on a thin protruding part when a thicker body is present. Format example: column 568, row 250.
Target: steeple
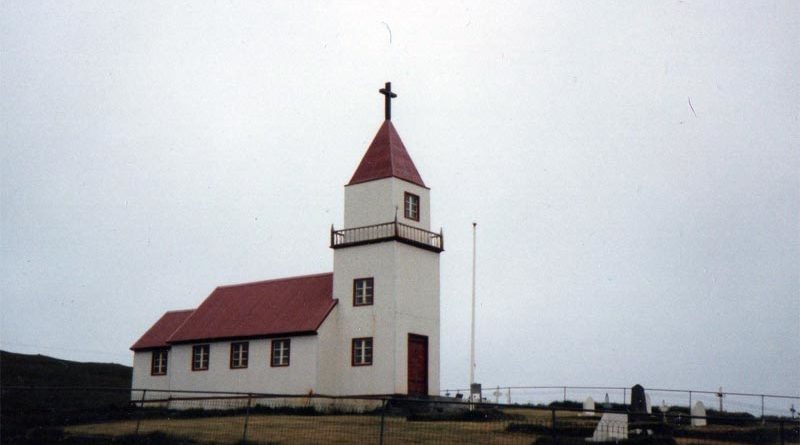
column 386, row 275
column 386, row 157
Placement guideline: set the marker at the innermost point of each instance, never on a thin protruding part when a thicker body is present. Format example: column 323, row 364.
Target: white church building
column 371, row 327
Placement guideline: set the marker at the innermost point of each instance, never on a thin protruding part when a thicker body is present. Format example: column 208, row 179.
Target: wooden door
column 417, row 365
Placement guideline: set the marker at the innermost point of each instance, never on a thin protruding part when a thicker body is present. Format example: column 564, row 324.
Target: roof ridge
column 178, row 328
column 272, row 280
column 176, row 311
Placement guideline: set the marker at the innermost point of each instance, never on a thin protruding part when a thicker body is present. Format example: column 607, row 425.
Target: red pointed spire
column 386, row 157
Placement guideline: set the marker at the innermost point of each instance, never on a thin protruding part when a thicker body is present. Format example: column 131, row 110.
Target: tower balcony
column 390, row 231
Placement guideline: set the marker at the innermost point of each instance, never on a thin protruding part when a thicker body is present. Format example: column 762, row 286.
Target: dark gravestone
column 638, row 403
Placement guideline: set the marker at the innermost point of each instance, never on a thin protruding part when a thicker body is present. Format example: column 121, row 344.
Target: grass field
column 273, row 429
column 365, row 429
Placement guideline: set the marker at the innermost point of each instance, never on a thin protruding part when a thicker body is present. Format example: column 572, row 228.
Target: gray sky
column 633, row 168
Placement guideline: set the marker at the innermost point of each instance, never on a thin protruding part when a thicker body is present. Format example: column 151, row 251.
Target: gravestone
column 698, row 410
column 647, row 404
column 497, row 395
column 664, row 409
column 475, row 392
column 611, row 428
column 588, row 407
column 638, row 408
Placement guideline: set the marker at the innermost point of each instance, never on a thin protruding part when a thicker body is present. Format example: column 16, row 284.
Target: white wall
column 406, row 292
column 142, row 378
column 376, row 321
column 406, row 287
column 374, row 202
column 299, row 377
column 417, row 310
column 329, row 351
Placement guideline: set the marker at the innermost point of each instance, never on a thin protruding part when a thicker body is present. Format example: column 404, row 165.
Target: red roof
column 286, row 306
column 386, row 157
column 156, row 336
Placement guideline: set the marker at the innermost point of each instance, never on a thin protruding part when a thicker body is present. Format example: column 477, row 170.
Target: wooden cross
column 387, row 91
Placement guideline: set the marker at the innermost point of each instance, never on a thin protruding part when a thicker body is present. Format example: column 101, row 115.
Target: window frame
column 198, row 366
column 410, row 199
column 354, row 349
column 159, row 362
column 240, row 352
column 368, row 299
column 287, row 350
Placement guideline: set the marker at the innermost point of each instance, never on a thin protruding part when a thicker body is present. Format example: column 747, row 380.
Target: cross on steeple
column 389, row 95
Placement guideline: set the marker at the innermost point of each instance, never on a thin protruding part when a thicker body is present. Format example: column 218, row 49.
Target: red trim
column 164, row 362
column 208, row 357
column 244, row 357
column 372, row 285
column 406, row 195
column 353, row 351
column 272, row 353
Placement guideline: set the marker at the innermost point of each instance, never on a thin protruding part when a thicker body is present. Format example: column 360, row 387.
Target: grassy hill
column 40, row 370
column 39, row 391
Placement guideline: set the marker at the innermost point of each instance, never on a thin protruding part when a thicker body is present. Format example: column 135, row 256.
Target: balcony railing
column 391, row 231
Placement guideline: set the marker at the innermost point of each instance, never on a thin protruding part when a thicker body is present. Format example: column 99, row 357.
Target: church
column 369, row 328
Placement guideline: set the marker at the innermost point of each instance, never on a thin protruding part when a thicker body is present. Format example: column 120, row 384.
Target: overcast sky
column 632, row 166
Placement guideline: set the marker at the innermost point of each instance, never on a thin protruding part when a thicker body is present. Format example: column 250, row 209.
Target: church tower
column 386, row 275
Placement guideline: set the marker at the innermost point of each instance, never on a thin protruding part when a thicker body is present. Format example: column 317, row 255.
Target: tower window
column 158, row 363
column 280, row 352
column 239, row 353
column 200, row 355
column 362, row 351
column 411, row 206
column 363, row 291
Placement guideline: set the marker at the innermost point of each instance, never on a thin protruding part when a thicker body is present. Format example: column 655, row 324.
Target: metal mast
column 472, row 342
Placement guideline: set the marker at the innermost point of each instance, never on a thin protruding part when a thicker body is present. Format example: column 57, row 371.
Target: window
column 158, row 364
column 280, row 353
column 239, row 355
column 363, row 291
column 362, row 351
column 200, row 354
column 411, row 206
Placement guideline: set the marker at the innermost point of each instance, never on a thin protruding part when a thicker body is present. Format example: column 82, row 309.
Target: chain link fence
column 122, row 416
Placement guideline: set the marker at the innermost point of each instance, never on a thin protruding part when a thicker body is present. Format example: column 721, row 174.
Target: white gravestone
column 612, row 427
column 588, row 407
column 648, row 406
column 699, row 410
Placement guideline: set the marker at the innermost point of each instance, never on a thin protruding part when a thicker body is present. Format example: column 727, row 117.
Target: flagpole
column 472, row 332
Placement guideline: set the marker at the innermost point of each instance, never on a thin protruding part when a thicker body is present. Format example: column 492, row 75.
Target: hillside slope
column 40, row 370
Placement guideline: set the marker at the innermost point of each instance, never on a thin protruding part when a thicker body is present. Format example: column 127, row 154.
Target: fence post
column 781, row 433
column 139, row 417
column 762, row 409
column 553, row 422
column 690, row 402
column 246, row 419
column 565, row 393
column 383, row 418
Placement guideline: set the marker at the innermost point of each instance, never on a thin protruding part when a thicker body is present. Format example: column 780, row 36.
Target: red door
column 417, row 365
